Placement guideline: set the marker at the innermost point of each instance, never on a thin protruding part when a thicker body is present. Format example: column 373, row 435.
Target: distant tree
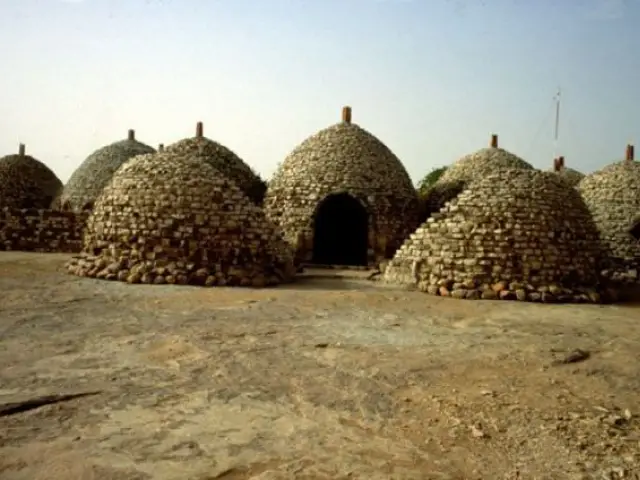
column 430, row 179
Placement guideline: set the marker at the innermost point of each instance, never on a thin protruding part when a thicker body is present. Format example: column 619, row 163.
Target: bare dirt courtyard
column 329, row 378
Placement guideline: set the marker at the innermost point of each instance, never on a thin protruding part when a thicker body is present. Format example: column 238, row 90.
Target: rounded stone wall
column 612, row 195
column 223, row 160
column 516, row 234
column 452, row 182
column 345, row 176
column 26, row 182
column 88, row 180
column 482, row 163
column 168, row 218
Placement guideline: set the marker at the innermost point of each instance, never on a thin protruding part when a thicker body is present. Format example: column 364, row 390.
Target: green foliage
column 430, row 179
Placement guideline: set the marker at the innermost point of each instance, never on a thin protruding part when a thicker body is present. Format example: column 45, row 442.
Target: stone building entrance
column 340, row 231
column 635, row 230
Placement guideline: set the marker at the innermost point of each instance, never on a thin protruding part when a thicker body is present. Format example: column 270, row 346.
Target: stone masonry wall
column 613, row 198
column 343, row 158
column 88, row 180
column 170, row 219
column 26, row 182
column 34, row 230
column 481, row 163
column 516, row 234
column 224, row 160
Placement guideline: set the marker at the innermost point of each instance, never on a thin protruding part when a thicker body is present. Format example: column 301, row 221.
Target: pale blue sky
column 431, row 78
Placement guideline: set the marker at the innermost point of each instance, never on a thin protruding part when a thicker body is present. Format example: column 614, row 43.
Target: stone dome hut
column 612, row 194
column 87, row 182
column 26, row 182
column 170, row 218
column 482, row 163
column 343, row 198
column 515, row 234
column 570, row 175
column 470, row 167
column 223, row 160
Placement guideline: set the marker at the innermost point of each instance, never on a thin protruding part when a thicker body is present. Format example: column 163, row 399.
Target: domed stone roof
column 612, row 194
column 26, row 182
column 338, row 163
column 482, row 163
column 223, row 160
column 570, row 175
column 515, row 234
column 171, row 218
column 87, row 182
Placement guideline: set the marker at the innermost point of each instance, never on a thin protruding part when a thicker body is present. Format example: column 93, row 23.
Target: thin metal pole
column 557, row 126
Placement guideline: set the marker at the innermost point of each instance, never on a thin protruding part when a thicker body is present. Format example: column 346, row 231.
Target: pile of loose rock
column 90, row 178
column 223, row 160
column 26, row 182
column 517, row 234
column 343, row 158
column 613, row 198
column 168, row 218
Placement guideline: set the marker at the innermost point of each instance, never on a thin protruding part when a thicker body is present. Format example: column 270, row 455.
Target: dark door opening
column 635, row 230
column 341, row 231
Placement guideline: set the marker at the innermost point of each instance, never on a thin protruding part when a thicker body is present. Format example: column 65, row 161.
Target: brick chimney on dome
column 346, row 114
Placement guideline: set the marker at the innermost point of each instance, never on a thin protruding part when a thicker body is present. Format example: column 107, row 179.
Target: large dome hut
column 479, row 164
column 612, row 194
column 569, row 175
column 170, row 218
column 515, row 234
column 87, row 182
column 26, row 182
column 223, row 160
column 343, row 198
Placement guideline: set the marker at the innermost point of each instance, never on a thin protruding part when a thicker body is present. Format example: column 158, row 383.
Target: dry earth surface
column 330, row 378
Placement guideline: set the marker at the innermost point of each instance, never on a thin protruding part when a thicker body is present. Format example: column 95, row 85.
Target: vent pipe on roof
column 346, row 114
column 630, row 153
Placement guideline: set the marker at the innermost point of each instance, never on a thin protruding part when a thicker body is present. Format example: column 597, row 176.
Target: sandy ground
column 331, row 378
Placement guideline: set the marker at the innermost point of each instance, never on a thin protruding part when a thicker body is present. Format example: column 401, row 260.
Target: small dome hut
column 482, row 163
column 470, row 167
column 26, row 182
column 170, row 218
column 515, row 234
column 87, row 182
column 223, row 160
column 570, row 175
column 343, row 198
column 612, row 194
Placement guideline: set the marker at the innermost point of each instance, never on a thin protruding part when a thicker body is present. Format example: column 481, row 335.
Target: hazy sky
column 431, row 78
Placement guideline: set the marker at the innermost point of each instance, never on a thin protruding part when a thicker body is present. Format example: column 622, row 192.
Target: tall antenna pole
column 555, row 133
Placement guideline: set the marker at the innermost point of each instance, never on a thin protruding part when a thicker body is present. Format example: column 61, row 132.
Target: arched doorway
column 634, row 231
column 340, row 231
